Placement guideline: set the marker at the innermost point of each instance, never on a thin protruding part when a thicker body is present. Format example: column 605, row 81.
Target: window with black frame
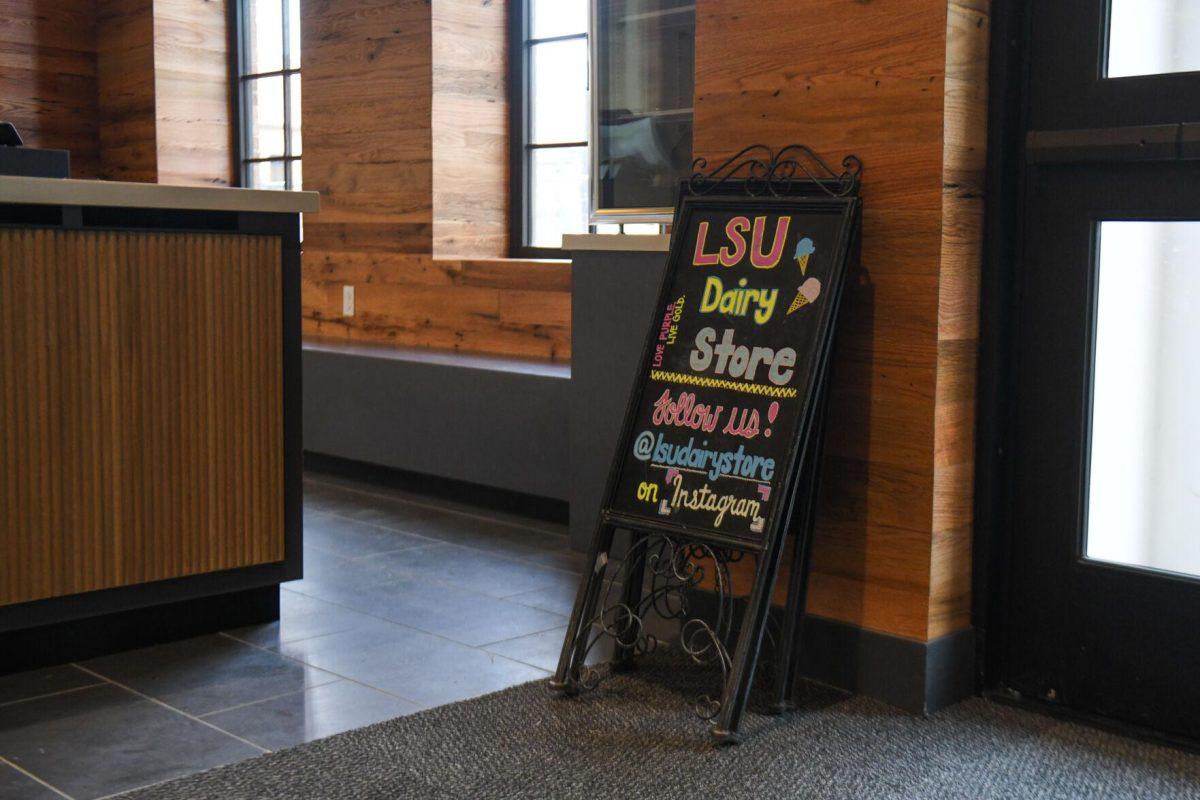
column 550, row 123
column 269, row 93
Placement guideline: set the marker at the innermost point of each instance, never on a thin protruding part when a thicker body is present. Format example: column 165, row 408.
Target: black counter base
column 78, row 639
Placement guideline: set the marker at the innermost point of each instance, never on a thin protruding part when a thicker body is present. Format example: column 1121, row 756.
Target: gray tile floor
column 405, row 604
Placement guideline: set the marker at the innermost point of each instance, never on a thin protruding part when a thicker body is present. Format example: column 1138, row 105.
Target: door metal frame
column 1011, row 155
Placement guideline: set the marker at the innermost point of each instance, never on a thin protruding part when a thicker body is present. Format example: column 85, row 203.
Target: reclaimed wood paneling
column 140, row 408
column 470, row 128
column 194, row 128
column 498, row 306
column 900, row 85
column 125, row 57
column 404, row 128
column 48, row 85
column 964, row 162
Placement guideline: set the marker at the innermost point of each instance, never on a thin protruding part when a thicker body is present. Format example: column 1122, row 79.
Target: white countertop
column 70, row 192
column 623, row 242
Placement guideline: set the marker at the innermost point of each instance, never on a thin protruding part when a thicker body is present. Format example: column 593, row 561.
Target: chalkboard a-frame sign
column 717, row 457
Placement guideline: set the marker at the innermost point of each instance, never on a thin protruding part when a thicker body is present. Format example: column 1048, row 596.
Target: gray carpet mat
column 636, row 737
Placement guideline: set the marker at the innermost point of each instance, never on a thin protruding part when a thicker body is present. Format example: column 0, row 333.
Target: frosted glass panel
column 558, row 18
column 559, row 88
column 558, row 194
column 1144, row 493
column 1151, row 37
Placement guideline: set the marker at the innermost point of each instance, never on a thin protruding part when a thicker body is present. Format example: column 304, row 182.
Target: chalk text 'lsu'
column 735, row 231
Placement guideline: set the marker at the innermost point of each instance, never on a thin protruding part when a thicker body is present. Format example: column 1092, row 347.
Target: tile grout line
column 207, row 714
column 33, row 777
column 435, row 541
column 382, row 619
column 52, row 694
column 522, row 636
column 147, row 785
column 426, row 582
column 421, row 706
column 430, row 506
column 394, row 622
column 425, row 540
column 180, row 712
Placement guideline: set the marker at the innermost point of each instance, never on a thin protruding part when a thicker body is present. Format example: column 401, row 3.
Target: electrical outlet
column 347, row 301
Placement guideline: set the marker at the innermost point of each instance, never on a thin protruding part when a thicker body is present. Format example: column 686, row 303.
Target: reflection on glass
column 267, row 175
column 294, row 113
column 557, row 18
column 293, row 34
column 1144, row 492
column 645, row 51
column 643, row 228
column 264, row 21
column 297, row 174
column 558, row 194
column 1151, row 37
column 264, row 109
column 559, row 91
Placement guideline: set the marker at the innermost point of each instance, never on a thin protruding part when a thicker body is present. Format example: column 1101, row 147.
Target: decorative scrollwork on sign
column 672, row 572
column 763, row 170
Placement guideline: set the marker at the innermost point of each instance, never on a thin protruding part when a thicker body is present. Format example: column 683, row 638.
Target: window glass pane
column 643, row 228
column 607, row 227
column 266, row 175
column 294, row 34
column 264, row 35
column 558, row 18
column 1149, row 37
column 1144, row 492
column 297, row 174
column 264, row 117
column 645, row 76
column 294, row 118
column 558, row 194
column 558, row 85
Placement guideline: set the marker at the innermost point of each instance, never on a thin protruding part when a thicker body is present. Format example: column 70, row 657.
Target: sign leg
column 575, row 644
column 802, row 546
column 797, row 591
column 745, row 657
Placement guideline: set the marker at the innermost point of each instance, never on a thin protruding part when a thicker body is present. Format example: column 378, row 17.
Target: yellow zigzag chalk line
column 719, row 383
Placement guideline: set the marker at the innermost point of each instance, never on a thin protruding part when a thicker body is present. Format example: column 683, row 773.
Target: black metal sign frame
column 667, row 552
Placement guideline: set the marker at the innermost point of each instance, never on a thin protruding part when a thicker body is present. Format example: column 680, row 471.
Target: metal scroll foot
column 562, row 687
column 724, row 738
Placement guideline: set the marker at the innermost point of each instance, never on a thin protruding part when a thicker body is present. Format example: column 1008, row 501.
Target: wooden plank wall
column 136, row 89
column 369, row 74
column 964, row 164
column 128, row 144
column 141, row 401
column 470, row 128
column 48, row 86
column 193, row 92
column 890, row 82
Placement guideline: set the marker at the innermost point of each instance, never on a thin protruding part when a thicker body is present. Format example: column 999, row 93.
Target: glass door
column 1103, row 590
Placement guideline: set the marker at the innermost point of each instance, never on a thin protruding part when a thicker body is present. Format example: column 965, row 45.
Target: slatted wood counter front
column 151, row 462
column 141, row 407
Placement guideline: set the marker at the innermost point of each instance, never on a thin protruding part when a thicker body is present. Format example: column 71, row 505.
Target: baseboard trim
column 79, row 639
column 920, row 677
column 488, row 497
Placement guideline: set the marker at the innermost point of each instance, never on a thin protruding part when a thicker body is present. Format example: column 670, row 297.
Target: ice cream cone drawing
column 804, row 250
column 806, row 293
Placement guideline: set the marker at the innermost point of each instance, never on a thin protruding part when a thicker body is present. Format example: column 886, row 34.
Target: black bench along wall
column 496, row 422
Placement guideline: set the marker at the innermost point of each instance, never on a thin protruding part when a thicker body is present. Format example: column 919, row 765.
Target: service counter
column 150, row 453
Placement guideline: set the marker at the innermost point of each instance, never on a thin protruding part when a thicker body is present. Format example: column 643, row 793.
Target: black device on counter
column 30, row 162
